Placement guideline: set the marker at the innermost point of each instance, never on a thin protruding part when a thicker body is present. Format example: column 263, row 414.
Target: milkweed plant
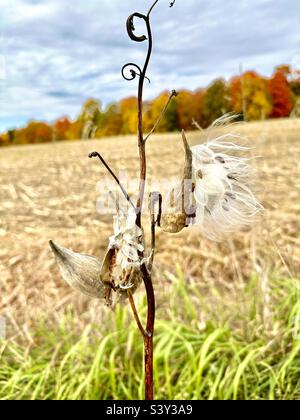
column 215, row 195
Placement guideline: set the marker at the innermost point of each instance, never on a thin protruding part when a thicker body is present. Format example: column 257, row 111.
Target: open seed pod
column 176, row 218
column 92, row 277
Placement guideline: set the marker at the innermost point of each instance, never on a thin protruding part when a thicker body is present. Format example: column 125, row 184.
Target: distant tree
column 295, row 87
column 216, row 101
column 236, row 94
column 258, row 101
column 11, row 134
column 34, row 132
column 76, row 129
column 128, row 110
column 43, row 133
column 189, row 108
column 90, row 117
column 198, row 107
column 111, row 121
column 61, row 129
column 3, row 140
column 283, row 68
column 281, row 94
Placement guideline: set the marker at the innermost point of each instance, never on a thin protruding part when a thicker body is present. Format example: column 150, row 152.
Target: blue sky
column 56, row 53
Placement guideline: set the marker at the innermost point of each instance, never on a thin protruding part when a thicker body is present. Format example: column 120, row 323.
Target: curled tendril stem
column 131, row 27
column 133, row 73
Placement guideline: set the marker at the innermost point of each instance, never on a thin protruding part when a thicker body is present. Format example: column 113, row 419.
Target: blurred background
column 228, row 313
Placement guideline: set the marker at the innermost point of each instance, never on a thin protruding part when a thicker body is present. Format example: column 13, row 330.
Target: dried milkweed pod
column 88, row 275
column 81, row 272
column 120, row 269
column 174, row 220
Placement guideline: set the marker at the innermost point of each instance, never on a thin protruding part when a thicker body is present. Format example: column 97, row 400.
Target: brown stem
column 135, row 71
column 197, row 125
column 96, row 154
column 173, row 94
column 148, row 339
column 135, row 313
column 152, row 7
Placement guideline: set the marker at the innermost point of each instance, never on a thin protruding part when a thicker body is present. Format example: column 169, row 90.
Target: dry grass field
column 228, row 314
column 49, row 192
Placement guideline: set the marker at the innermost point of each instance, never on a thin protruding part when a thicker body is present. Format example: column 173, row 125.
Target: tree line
column 250, row 95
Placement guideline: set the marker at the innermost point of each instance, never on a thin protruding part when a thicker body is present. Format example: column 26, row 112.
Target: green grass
column 229, row 354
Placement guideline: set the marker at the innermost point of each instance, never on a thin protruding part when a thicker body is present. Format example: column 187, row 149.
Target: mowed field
column 49, row 192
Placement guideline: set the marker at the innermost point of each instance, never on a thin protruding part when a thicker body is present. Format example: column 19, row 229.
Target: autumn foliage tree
column 62, row 129
column 34, row 132
column 111, row 122
column 3, row 140
column 250, row 95
column 128, row 112
column 216, row 101
column 236, row 94
column 281, row 95
column 258, row 101
column 189, row 108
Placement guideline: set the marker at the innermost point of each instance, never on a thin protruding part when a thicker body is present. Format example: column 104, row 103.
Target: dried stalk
column 173, row 94
column 135, row 71
column 126, row 195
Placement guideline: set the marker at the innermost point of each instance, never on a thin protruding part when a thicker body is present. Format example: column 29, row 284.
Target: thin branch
column 172, row 95
column 153, row 242
column 96, row 154
column 135, row 313
column 151, row 8
column 197, row 125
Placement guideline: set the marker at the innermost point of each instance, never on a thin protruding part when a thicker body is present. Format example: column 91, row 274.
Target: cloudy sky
column 56, row 53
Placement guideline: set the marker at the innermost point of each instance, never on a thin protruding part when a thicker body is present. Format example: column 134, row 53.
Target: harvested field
column 49, row 192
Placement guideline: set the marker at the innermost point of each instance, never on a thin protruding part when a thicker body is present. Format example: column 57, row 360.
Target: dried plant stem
column 135, row 313
column 173, row 94
column 96, row 154
column 197, row 125
column 148, row 338
column 135, row 71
